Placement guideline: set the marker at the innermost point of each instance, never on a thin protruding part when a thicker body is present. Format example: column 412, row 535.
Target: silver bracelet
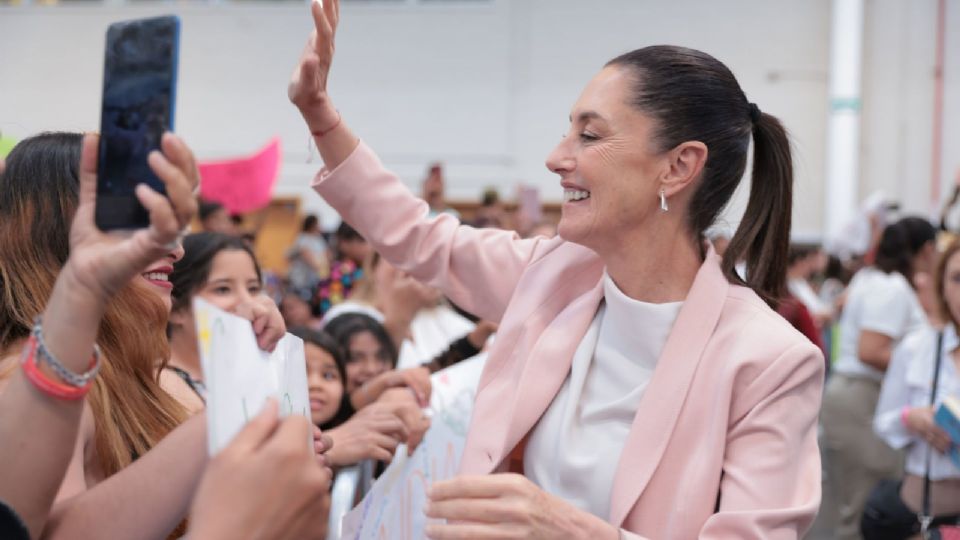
column 77, row 380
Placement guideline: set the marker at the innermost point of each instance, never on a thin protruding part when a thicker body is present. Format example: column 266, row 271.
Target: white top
column 907, row 383
column 883, row 303
column 574, row 450
column 802, row 291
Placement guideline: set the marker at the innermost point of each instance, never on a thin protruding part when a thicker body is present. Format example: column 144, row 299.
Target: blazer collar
column 664, row 397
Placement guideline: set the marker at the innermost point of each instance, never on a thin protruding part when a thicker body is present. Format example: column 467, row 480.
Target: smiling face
column 324, row 383
column 157, row 276
column 366, row 358
column 608, row 164
column 232, row 280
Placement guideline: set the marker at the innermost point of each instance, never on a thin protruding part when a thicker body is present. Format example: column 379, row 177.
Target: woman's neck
column 185, row 355
column 658, row 272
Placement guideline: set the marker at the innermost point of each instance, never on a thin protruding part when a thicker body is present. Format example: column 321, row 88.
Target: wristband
column 28, row 362
column 321, row 132
column 904, row 414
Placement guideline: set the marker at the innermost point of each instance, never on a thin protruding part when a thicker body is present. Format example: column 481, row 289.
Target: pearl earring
column 663, row 201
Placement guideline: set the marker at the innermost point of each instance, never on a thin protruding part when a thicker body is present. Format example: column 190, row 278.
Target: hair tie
column 754, row 113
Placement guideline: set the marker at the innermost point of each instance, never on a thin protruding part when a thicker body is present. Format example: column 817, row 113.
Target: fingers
column 257, row 430
column 88, row 177
column 180, row 155
column 321, row 22
column 164, row 225
column 293, row 431
column 469, row 487
column 178, row 184
column 478, row 510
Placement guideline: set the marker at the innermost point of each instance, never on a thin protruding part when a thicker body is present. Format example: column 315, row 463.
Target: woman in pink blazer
column 720, row 438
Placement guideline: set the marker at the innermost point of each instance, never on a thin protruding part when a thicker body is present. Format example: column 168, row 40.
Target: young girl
column 222, row 270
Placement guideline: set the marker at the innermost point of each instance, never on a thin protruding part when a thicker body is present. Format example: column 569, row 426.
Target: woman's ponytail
column 763, row 237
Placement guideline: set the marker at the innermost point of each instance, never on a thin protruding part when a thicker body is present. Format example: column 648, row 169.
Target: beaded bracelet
column 74, row 385
column 73, row 379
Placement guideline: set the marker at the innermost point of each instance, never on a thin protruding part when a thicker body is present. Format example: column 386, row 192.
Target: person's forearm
column 145, row 500
column 337, row 141
column 39, row 431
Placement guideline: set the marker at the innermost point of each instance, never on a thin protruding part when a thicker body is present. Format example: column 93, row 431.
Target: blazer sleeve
column 770, row 488
column 477, row 269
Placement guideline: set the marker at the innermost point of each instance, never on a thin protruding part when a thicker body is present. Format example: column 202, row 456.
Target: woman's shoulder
column 747, row 323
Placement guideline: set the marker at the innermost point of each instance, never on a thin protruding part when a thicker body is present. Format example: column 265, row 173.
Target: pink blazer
column 724, row 441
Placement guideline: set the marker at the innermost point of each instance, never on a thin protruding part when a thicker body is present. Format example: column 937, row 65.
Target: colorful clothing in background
column 336, row 288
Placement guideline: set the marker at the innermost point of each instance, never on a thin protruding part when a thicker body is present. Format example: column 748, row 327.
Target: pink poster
column 243, row 184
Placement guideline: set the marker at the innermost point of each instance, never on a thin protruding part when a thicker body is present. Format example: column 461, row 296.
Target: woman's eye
column 588, row 137
column 222, row 290
column 254, row 290
column 331, row 376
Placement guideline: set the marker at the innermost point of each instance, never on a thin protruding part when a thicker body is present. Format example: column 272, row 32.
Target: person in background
column 434, row 187
column 904, row 417
column 370, row 357
column 297, row 312
column 309, row 258
column 222, row 270
column 804, row 262
column 491, row 212
column 352, row 250
column 215, row 218
column 881, row 308
column 373, row 432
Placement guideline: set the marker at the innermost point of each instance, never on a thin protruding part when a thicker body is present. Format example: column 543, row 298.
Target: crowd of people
column 642, row 381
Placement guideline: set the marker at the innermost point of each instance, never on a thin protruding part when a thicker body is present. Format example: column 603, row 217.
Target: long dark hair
column 326, row 342
column 694, row 97
column 191, row 272
column 39, row 193
column 344, row 327
column 900, row 243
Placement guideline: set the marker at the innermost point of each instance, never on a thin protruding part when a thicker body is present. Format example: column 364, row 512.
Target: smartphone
column 139, row 97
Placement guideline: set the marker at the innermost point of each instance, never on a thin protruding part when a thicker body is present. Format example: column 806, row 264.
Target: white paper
column 394, row 506
column 240, row 377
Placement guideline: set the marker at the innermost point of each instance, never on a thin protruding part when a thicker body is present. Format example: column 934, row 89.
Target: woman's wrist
column 320, row 115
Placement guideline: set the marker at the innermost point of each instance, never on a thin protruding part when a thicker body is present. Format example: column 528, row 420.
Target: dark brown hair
column 191, row 272
column 692, row 96
column 38, row 198
column 899, row 244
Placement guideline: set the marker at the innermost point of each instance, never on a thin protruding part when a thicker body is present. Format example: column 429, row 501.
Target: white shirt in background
column 879, row 302
column 803, row 291
column 907, row 384
column 574, row 450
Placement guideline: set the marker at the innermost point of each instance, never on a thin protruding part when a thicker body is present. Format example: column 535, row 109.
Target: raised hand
column 102, row 263
column 308, row 86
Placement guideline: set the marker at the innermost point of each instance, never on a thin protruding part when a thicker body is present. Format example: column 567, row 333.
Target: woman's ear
column 686, row 162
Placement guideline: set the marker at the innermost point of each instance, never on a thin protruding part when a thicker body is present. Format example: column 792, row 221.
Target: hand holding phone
column 139, row 96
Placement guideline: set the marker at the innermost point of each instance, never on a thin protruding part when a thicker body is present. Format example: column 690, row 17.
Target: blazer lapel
column 664, row 397
column 552, row 354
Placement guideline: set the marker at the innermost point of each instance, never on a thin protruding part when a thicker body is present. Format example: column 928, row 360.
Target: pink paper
column 244, row 184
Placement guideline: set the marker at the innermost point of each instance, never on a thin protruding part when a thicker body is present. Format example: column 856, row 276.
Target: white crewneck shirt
column 574, row 450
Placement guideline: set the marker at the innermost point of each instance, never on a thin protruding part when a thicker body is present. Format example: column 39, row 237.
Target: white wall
column 483, row 86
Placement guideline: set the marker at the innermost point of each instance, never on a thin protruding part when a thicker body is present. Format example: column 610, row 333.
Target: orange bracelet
column 28, row 362
column 322, row 132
